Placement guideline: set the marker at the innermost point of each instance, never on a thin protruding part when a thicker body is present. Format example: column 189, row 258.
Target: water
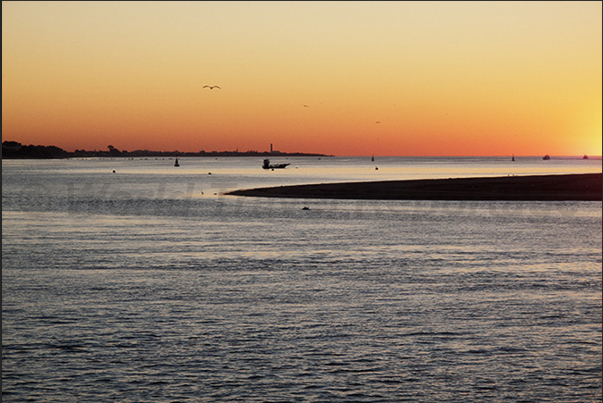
column 147, row 285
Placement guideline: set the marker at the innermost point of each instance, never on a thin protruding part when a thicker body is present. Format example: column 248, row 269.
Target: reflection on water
column 159, row 179
column 145, row 286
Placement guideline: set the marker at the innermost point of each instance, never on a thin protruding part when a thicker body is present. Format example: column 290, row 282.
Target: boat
column 176, row 164
column 546, row 157
column 268, row 165
column 585, row 157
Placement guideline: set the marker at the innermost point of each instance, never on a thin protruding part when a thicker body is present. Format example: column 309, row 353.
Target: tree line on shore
column 16, row 150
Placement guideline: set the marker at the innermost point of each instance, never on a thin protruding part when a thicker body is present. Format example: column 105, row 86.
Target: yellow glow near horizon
column 440, row 78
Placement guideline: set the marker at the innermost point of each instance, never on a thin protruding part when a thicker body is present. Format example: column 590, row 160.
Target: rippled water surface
column 147, row 285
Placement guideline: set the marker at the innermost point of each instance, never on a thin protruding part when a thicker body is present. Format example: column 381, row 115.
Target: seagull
column 211, row 87
column 306, row 106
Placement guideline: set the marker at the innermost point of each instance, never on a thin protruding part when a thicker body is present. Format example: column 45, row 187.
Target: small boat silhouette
column 268, row 165
column 176, row 164
column 546, row 157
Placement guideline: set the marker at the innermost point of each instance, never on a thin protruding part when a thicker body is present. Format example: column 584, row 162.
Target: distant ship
column 546, row 157
column 176, row 164
column 585, row 157
column 268, row 165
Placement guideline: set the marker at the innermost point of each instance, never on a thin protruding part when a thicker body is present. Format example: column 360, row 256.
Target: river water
column 147, row 285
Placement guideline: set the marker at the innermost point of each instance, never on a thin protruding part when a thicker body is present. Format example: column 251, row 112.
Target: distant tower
column 270, row 148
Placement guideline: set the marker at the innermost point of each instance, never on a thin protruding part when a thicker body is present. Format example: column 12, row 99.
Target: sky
column 342, row 78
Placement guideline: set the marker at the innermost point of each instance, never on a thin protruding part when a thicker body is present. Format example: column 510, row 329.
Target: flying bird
column 211, row 87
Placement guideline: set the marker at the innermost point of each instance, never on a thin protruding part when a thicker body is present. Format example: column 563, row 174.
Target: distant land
column 585, row 187
column 15, row 150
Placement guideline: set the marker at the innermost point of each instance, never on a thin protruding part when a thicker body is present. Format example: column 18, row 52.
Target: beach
column 580, row 187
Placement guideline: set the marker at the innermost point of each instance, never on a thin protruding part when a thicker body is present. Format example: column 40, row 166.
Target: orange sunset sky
column 342, row 78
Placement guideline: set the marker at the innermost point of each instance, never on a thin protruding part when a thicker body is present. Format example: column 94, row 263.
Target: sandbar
column 579, row 187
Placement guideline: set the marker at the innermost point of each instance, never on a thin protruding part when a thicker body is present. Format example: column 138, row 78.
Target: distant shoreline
column 578, row 187
column 15, row 150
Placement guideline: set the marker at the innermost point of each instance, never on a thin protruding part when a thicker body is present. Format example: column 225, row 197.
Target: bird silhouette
column 211, row 87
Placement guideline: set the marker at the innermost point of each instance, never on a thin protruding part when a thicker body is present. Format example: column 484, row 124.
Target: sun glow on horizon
column 341, row 78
